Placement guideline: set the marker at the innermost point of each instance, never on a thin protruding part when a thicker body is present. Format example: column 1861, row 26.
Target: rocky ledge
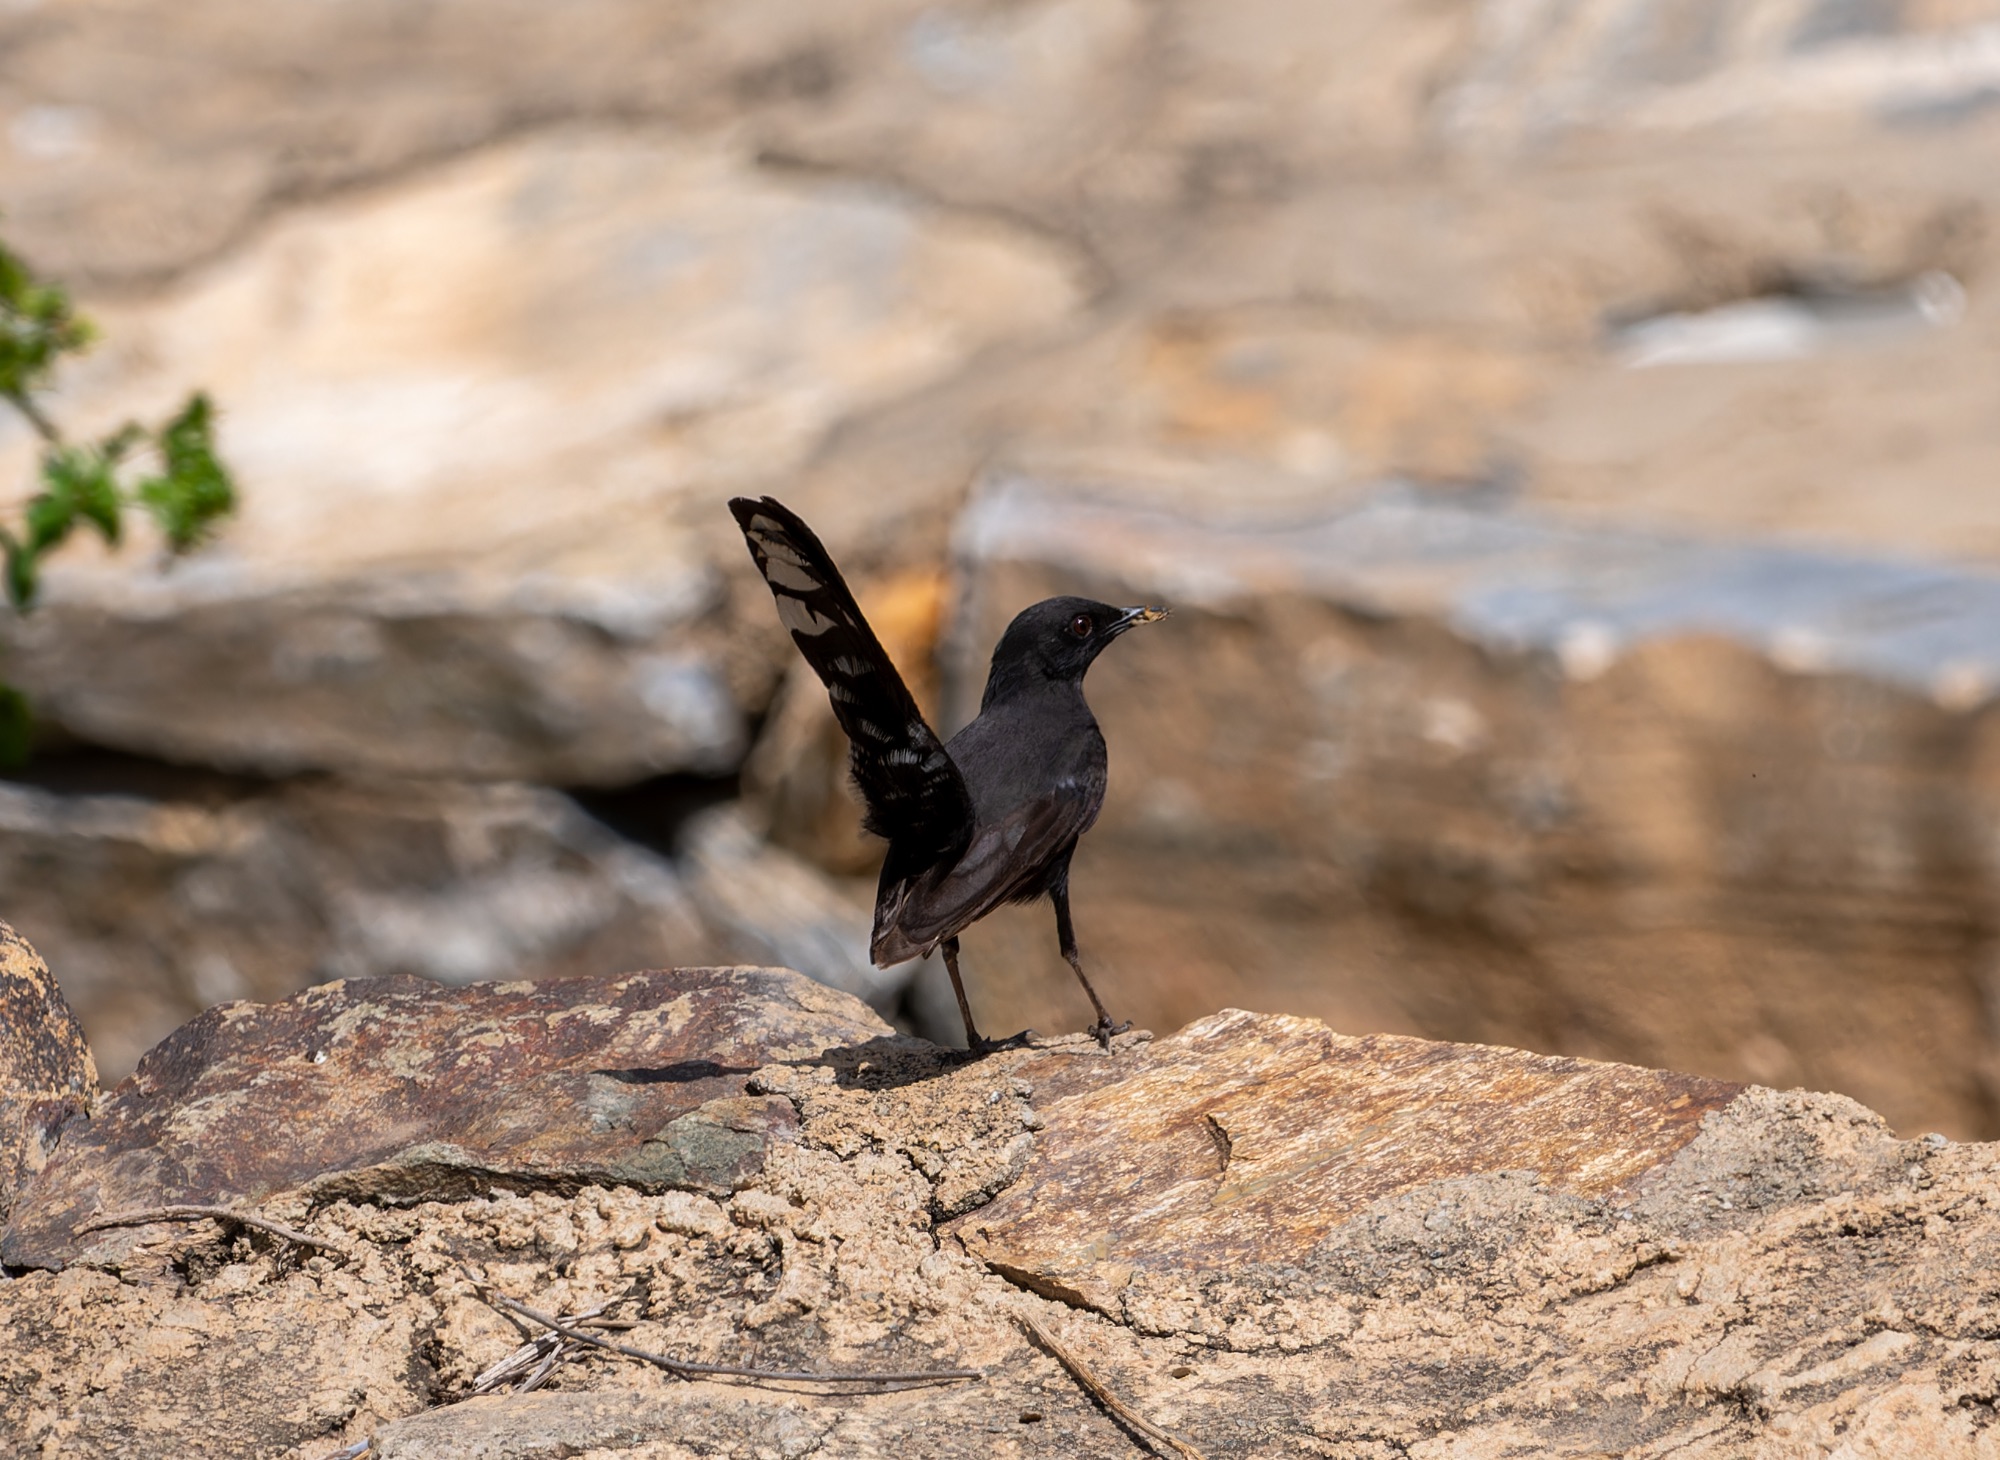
column 1261, row 1237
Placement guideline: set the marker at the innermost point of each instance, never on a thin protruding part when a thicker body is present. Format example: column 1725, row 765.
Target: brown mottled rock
column 1465, row 1252
column 1252, row 1138
column 381, row 1088
column 47, row 1077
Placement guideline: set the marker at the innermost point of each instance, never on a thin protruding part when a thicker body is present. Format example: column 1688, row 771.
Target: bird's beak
column 1133, row 617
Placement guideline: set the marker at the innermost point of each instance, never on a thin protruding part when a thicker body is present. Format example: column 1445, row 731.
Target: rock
column 1158, row 1173
column 431, row 677
column 153, row 910
column 1378, row 247
column 139, row 182
column 389, row 1088
column 47, row 1077
column 1320, row 1245
column 481, row 481
column 498, row 306
column 708, row 1420
column 514, row 292
column 200, row 1360
column 772, row 907
column 231, row 117
column 157, row 909
column 1453, row 767
column 1552, row 71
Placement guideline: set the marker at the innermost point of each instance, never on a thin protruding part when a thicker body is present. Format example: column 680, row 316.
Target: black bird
column 994, row 816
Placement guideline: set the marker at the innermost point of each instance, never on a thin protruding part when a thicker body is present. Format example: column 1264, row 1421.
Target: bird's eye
column 1080, row 626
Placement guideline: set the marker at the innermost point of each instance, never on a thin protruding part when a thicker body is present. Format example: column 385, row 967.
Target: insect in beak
column 1133, row 617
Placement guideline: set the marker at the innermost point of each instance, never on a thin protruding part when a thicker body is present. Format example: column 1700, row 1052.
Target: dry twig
column 562, row 1349
column 544, row 1351
column 1154, row 1437
column 200, row 1214
column 689, row 1369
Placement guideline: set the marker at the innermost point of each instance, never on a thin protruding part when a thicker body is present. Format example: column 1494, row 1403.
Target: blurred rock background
column 1569, row 434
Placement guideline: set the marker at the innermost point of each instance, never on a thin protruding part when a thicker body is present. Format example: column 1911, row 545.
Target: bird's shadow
column 889, row 1061
column 886, row 1062
column 686, row 1072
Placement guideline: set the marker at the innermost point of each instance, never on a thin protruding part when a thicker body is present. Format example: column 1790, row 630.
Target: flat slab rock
column 380, row 1088
column 1253, row 1137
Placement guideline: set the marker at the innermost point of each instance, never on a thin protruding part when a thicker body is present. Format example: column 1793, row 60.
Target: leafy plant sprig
column 171, row 473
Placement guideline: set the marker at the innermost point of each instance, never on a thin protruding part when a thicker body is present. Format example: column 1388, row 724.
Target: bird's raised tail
column 914, row 794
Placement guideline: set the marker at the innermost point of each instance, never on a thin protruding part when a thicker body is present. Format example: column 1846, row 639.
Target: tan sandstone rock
column 495, row 326
column 482, row 454
column 1201, row 1158
column 1307, row 1245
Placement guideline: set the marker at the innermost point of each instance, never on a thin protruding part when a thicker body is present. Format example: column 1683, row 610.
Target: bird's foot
column 1104, row 1029
column 1085, row 1040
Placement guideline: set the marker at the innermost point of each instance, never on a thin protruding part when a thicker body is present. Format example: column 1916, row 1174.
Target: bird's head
column 1058, row 638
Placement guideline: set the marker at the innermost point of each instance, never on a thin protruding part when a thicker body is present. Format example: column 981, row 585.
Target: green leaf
column 38, row 326
column 78, row 485
column 194, row 491
column 22, row 576
column 49, row 516
column 188, row 495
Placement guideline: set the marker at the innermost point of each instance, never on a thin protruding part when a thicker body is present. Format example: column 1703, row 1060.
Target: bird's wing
column 1006, row 861
column 914, row 793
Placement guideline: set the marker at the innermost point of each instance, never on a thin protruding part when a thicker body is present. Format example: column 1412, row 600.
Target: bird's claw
column 1104, row 1029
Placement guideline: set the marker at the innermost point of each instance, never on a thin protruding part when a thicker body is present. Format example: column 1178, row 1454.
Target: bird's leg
column 974, row 1040
column 1066, row 935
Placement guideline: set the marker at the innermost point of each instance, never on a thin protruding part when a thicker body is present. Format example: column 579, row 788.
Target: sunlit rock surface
column 1272, row 1239
column 1250, row 1138
column 482, row 422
